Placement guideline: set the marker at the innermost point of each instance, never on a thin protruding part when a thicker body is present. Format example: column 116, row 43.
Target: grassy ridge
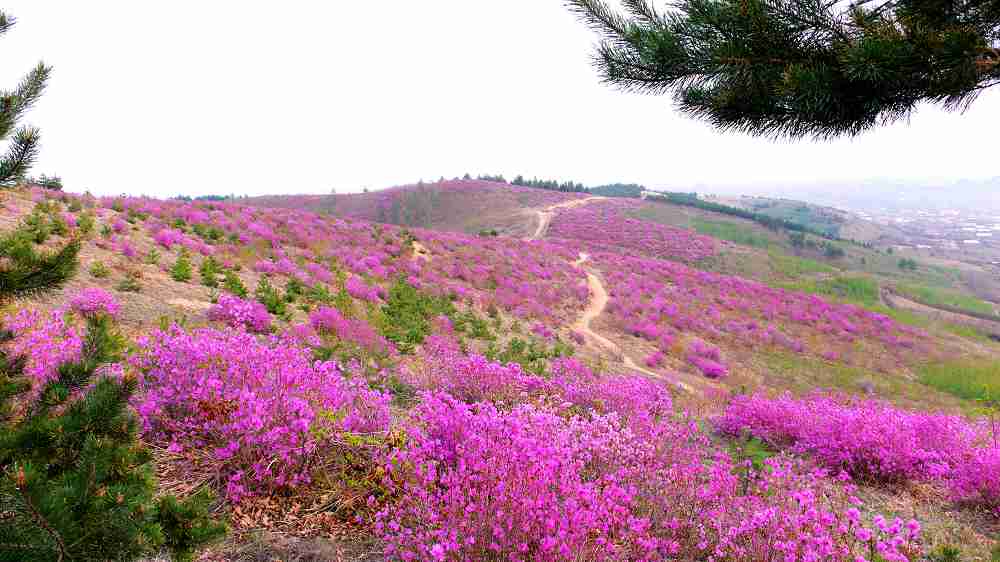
column 730, row 231
column 966, row 378
column 788, row 265
column 941, row 297
column 858, row 290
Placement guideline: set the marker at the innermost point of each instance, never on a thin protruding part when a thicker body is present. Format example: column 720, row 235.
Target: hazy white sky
column 220, row 96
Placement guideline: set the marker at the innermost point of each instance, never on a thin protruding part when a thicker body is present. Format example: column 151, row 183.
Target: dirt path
column 545, row 215
column 598, row 302
column 894, row 300
column 420, row 252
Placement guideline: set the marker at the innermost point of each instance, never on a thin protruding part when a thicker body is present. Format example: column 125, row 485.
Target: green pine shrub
column 28, row 270
column 407, row 315
column 181, row 270
column 99, row 270
column 269, row 296
column 86, row 223
column 75, row 482
column 233, row 285
column 209, row 272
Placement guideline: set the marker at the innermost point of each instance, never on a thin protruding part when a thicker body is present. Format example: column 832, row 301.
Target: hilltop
column 481, row 319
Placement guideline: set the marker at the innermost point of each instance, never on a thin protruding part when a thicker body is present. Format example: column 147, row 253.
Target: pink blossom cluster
column 659, row 300
column 875, row 441
column 707, row 358
column 976, row 480
column 357, row 288
column 474, row 482
column 330, row 321
column 570, row 383
column 868, row 439
column 241, row 313
column 93, row 301
column 472, row 378
column 44, row 341
column 265, row 409
column 168, row 237
column 606, row 226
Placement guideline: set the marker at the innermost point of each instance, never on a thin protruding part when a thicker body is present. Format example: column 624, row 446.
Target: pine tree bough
column 75, row 482
column 800, row 68
column 23, row 149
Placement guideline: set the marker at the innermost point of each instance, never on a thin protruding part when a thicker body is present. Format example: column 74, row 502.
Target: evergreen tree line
column 769, row 222
column 610, row 190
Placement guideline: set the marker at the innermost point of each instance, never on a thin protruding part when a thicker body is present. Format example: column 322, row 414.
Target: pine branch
column 601, row 18
column 796, row 68
column 14, row 104
column 20, row 156
column 643, row 10
column 41, row 521
column 6, row 22
column 31, row 87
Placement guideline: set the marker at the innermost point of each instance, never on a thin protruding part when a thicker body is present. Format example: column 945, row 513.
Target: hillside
column 469, row 206
column 383, row 372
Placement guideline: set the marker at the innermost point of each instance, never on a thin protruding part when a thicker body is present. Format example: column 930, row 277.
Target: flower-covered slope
column 425, row 388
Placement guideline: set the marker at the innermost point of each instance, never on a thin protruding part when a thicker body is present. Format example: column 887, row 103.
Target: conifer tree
column 800, row 68
column 23, row 269
column 27, row 270
column 75, row 483
column 14, row 165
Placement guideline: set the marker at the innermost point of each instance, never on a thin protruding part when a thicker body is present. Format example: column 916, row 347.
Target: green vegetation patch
column 942, row 297
column 407, row 315
column 731, row 231
column 858, row 290
column 533, row 356
column 802, row 374
column 793, row 266
column 971, row 379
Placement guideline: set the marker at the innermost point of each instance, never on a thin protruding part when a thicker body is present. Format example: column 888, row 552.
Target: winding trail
column 545, row 215
column 893, row 299
column 596, row 306
column 599, row 298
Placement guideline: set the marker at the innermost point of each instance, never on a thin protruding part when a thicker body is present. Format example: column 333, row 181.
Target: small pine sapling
column 181, row 270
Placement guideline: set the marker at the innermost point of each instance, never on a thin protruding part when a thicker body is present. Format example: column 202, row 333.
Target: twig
column 37, row 516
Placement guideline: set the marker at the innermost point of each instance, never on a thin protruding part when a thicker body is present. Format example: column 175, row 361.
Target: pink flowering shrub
column 127, row 249
column 866, row 438
column 237, row 312
column 707, row 358
column 329, row 321
column 639, row 401
column 93, row 302
column 358, row 289
column 655, row 359
column 168, row 237
column 476, row 483
column 45, row 343
column 606, row 226
column 976, row 480
column 658, row 300
column 265, row 409
column 472, row 378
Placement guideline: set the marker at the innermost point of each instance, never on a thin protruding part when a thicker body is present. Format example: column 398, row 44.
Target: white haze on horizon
column 262, row 97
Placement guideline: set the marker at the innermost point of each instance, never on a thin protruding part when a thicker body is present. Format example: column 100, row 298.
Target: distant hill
column 459, row 205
